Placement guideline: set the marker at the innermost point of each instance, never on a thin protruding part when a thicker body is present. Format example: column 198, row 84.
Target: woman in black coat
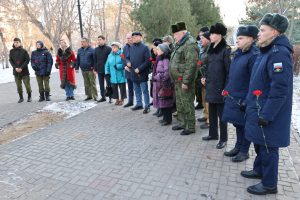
column 216, row 78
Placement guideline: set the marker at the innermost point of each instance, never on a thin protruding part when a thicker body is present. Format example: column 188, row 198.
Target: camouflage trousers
column 185, row 106
column 26, row 81
column 43, row 83
column 89, row 79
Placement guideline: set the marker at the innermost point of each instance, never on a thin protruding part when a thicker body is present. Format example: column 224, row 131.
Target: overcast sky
column 232, row 10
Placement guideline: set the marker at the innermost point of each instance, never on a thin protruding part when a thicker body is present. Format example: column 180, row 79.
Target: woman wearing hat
column 115, row 70
column 237, row 87
column 65, row 61
column 269, row 102
column 163, row 96
column 153, row 59
column 218, row 62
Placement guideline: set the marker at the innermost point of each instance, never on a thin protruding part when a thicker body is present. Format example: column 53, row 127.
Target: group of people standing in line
column 250, row 87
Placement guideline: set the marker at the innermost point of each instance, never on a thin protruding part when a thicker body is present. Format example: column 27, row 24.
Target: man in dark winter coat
column 269, row 102
column 85, row 60
column 100, row 56
column 126, row 52
column 216, row 78
column 183, row 73
column 19, row 59
column 41, row 62
column 236, row 90
column 140, row 64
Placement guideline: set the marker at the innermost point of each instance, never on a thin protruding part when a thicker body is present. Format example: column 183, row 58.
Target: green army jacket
column 183, row 62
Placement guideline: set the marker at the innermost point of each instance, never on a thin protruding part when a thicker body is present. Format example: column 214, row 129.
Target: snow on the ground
column 6, row 74
column 70, row 108
column 296, row 104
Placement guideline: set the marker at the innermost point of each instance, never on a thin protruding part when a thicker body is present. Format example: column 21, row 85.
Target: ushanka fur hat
column 218, row 28
column 250, row 31
column 276, row 21
column 180, row 26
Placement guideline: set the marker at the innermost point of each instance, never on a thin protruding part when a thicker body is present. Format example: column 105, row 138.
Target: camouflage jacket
column 183, row 62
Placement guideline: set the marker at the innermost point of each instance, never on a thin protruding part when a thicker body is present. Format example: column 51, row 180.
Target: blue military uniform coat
column 272, row 73
column 238, row 85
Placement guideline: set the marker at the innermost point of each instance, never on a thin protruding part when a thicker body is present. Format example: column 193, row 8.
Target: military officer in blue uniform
column 269, row 103
column 237, row 88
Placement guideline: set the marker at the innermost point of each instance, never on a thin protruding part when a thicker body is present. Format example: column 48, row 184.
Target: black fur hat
column 250, row 31
column 174, row 28
column 218, row 28
column 180, row 26
column 276, row 21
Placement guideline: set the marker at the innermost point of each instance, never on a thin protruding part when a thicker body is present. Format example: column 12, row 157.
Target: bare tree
column 54, row 20
column 5, row 50
column 119, row 21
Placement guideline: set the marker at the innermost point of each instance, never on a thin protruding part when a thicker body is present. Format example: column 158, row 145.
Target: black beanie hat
column 136, row 33
column 17, row 39
column 206, row 35
column 276, row 21
column 250, row 31
column 204, row 29
column 157, row 41
column 218, row 28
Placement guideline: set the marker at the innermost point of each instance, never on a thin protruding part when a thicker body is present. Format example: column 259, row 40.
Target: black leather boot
column 42, row 97
column 47, row 95
column 29, row 99
column 21, row 98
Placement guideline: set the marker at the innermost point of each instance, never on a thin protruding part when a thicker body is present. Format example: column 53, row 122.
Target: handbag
column 108, row 91
column 165, row 92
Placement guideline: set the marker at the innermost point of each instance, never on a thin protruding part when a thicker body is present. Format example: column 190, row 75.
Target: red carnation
column 122, row 55
column 151, row 59
column 153, row 62
column 179, row 78
column 225, row 93
column 257, row 93
column 199, row 62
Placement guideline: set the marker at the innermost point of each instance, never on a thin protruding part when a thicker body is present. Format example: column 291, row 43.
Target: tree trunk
column 5, row 50
column 104, row 21
column 119, row 21
column 292, row 23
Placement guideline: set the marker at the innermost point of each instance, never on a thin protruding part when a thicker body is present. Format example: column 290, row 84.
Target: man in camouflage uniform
column 183, row 72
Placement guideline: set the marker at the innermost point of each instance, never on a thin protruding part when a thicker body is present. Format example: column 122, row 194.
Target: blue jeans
column 140, row 88
column 69, row 90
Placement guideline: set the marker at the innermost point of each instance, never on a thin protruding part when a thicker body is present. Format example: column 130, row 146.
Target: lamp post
column 80, row 20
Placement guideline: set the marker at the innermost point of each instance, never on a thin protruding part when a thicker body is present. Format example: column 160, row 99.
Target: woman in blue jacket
column 114, row 68
column 237, row 89
column 269, row 103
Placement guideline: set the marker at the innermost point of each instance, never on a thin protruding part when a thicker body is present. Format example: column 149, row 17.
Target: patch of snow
column 69, row 108
column 6, row 74
column 296, row 104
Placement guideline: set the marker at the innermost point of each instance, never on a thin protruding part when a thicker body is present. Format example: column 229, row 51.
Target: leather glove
column 263, row 122
column 107, row 77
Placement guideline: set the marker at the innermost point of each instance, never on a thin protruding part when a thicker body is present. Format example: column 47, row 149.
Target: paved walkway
column 113, row 153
